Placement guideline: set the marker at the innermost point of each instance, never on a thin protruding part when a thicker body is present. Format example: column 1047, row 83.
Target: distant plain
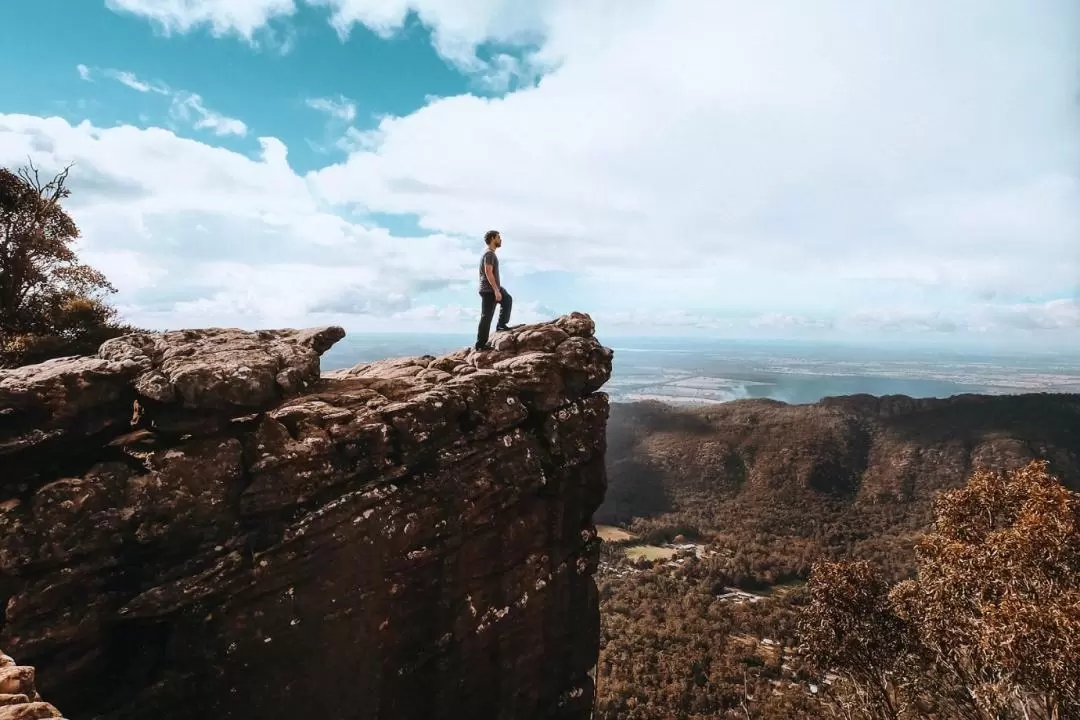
column 704, row 371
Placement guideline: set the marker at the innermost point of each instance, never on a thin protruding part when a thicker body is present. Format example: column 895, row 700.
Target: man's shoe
column 506, row 328
column 483, row 348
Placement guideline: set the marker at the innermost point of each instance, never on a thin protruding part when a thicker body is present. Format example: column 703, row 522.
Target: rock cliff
column 199, row 524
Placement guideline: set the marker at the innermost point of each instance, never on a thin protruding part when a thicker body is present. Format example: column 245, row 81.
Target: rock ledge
column 199, row 524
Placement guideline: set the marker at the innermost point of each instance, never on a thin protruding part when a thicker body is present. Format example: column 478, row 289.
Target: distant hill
column 846, row 476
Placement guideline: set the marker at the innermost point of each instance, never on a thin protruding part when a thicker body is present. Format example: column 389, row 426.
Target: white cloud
column 222, row 17
column 715, row 143
column 458, row 28
column 190, row 108
column 781, row 321
column 763, row 159
column 338, row 108
column 184, row 106
column 996, row 320
column 504, row 72
column 1061, row 314
column 193, row 234
column 339, row 132
column 908, row 165
column 126, row 78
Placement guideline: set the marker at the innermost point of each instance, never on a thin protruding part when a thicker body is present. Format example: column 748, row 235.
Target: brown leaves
column 991, row 625
column 1003, row 583
column 849, row 617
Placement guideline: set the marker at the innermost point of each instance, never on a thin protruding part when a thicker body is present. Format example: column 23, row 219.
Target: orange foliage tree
column 50, row 303
column 988, row 629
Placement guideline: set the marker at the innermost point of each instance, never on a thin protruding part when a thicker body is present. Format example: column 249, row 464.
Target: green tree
column 51, row 304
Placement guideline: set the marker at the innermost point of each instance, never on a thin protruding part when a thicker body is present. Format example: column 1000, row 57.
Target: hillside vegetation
column 841, row 493
column 778, row 486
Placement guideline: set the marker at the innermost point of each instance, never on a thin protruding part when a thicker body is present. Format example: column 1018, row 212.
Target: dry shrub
column 989, row 628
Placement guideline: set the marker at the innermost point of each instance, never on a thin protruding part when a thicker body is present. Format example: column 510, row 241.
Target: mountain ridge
column 843, row 470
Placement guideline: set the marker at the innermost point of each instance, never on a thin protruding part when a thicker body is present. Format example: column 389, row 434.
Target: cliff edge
column 201, row 524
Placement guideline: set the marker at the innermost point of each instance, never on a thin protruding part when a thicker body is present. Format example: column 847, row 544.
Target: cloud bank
column 784, row 166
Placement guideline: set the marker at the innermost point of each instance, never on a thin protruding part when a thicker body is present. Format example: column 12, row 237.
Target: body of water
column 711, row 371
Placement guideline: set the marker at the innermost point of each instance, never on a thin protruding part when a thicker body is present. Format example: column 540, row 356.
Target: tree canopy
column 51, row 304
column 989, row 629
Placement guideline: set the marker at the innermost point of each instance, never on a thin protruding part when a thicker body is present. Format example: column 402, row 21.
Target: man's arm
column 490, row 272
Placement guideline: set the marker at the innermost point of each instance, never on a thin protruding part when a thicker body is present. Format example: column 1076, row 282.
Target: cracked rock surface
column 19, row 699
column 200, row 524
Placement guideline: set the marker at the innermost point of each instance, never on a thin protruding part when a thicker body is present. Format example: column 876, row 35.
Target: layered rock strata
column 19, row 699
column 199, row 524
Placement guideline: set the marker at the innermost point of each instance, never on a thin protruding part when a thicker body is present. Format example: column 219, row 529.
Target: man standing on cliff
column 492, row 292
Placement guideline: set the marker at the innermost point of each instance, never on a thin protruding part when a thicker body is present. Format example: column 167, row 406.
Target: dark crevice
column 396, row 452
column 469, row 421
column 536, row 425
column 41, row 465
column 536, row 420
column 291, row 423
column 7, row 589
column 234, row 493
column 254, row 533
column 134, row 657
column 129, row 655
column 261, row 534
column 131, row 461
column 246, row 541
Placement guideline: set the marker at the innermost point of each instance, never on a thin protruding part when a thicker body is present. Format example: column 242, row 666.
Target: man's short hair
column 490, row 235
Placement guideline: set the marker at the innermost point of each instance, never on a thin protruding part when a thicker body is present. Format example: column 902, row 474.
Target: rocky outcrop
column 19, row 699
column 198, row 524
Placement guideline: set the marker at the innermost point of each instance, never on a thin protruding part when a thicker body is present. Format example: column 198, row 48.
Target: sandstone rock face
column 196, row 524
column 19, row 699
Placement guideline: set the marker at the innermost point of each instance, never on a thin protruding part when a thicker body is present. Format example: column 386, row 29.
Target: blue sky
column 786, row 169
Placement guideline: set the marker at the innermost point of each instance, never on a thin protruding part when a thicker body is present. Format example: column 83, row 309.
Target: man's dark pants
column 487, row 311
